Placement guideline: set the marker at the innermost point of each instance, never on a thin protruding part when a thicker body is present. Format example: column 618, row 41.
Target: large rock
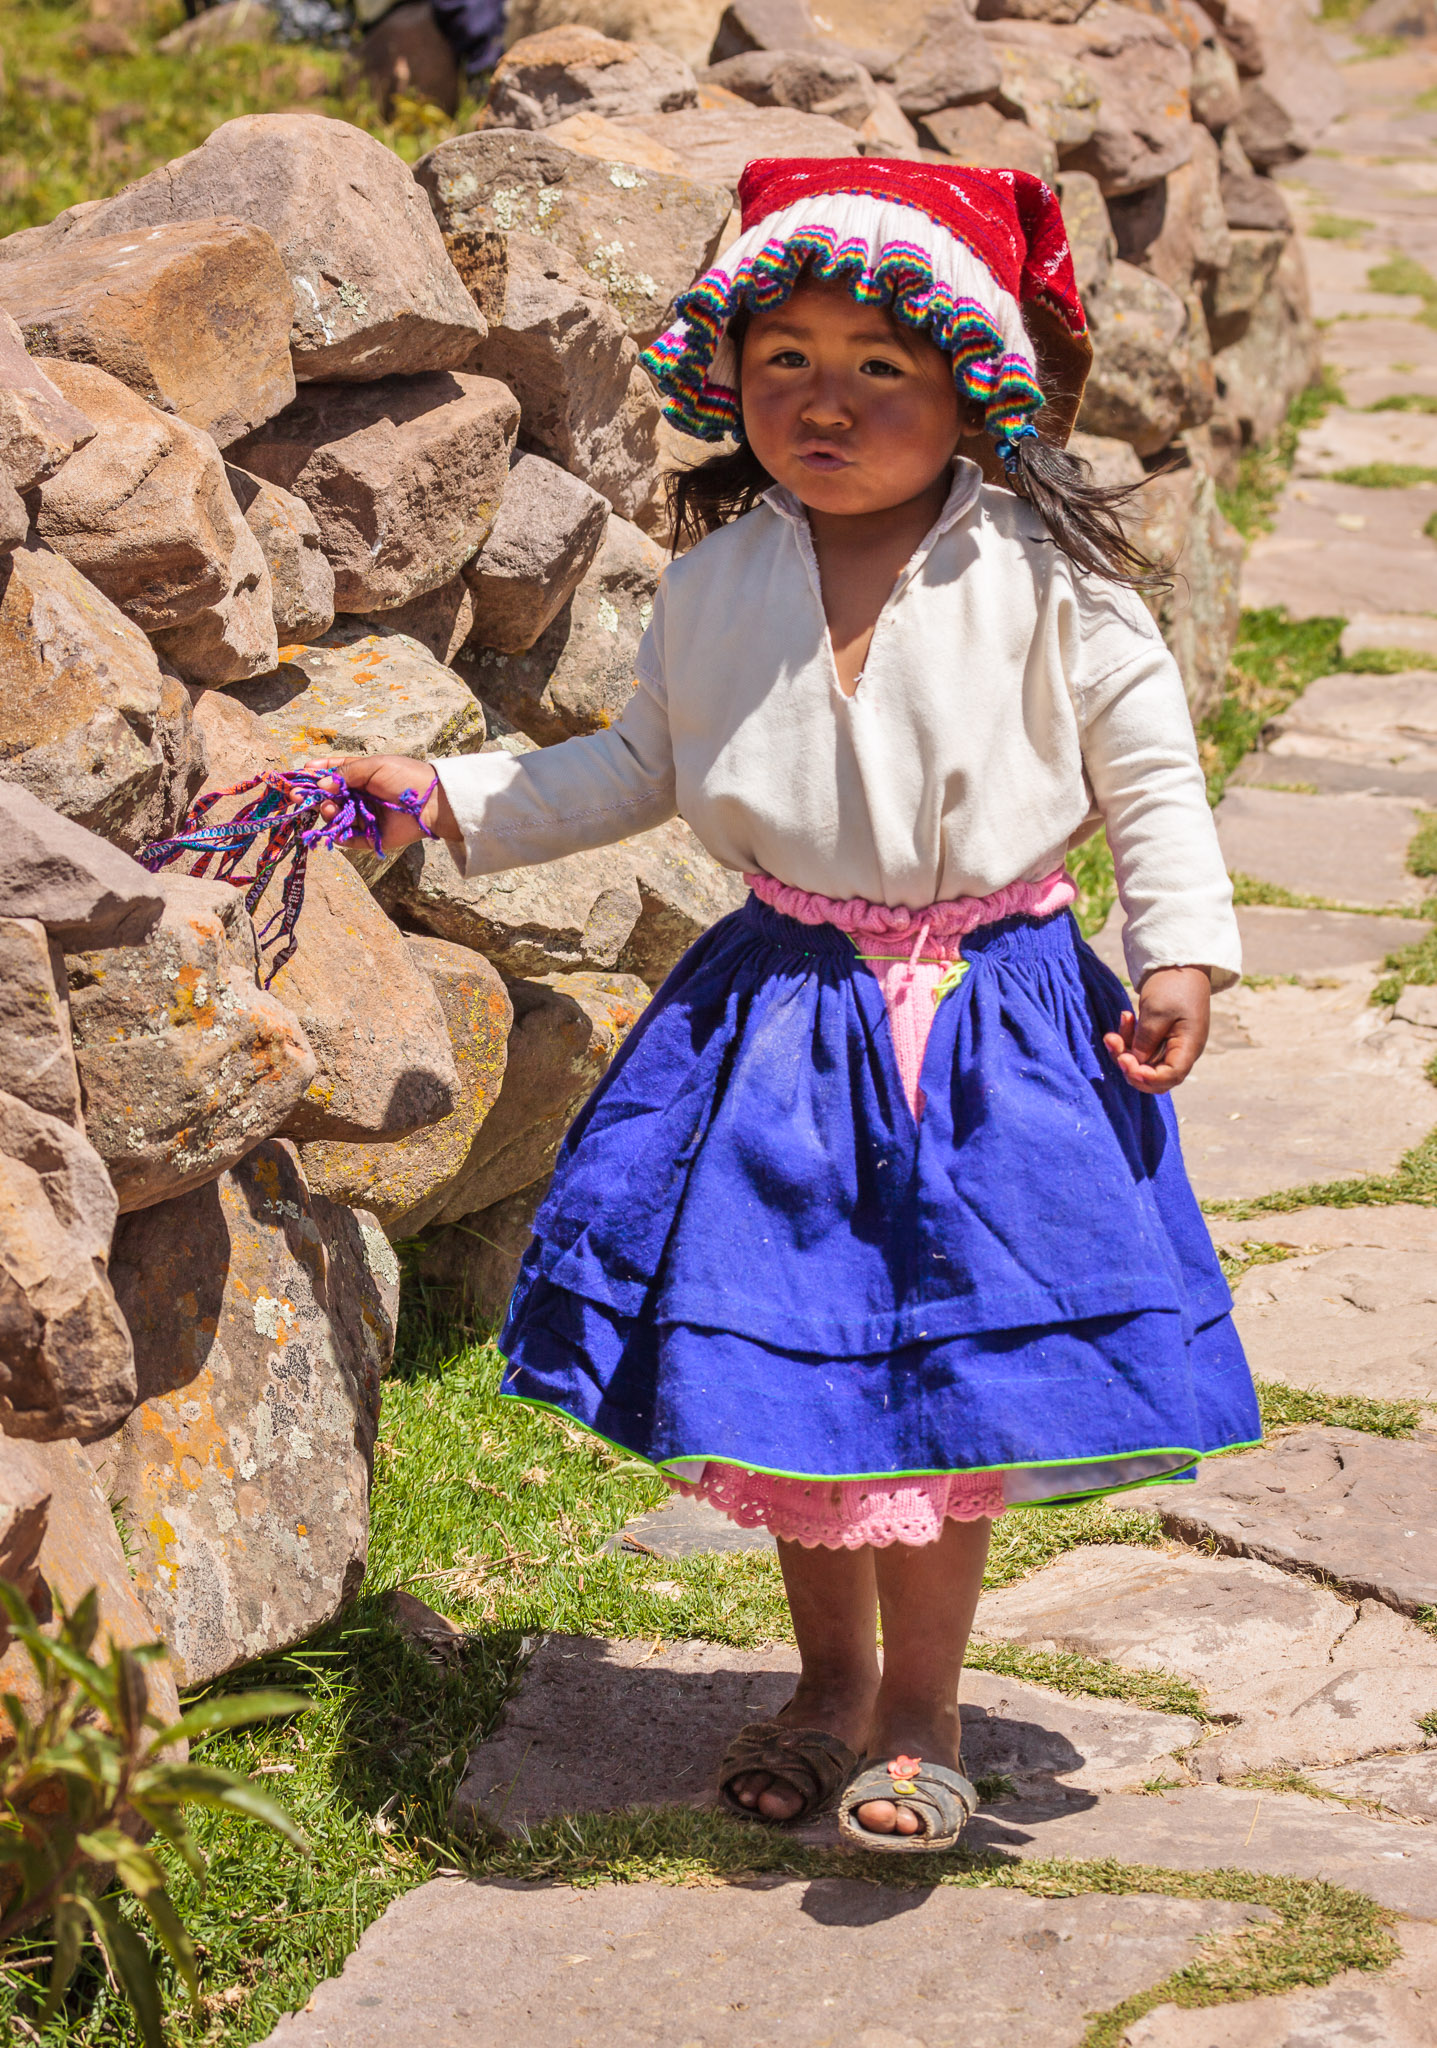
column 948, row 65
column 404, row 477
column 562, row 349
column 1178, row 521
column 37, row 1061
column 83, row 890
column 560, row 71
column 1177, row 229
column 579, row 674
column 440, row 620
column 573, row 913
column 88, row 722
column 185, row 1063
column 146, row 514
column 1276, row 357
column 25, row 1494
column 1052, row 93
column 714, row 144
column 81, row 1547
column 811, row 80
column 301, row 579
column 1249, row 200
column 686, row 27
column 66, row 1363
column 1300, row 92
column 360, row 692
column 194, row 317
column 474, row 1264
column 401, row 1179
column 981, row 135
column 1233, row 295
column 39, row 427
column 682, row 891
column 641, row 236
column 373, row 294
column 1143, row 127
column 1152, row 370
column 1090, row 231
column 540, row 548
column 263, row 1318
column 567, row 1028
column 1216, row 87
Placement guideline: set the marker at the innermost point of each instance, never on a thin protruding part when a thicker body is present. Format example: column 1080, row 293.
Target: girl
column 878, row 1227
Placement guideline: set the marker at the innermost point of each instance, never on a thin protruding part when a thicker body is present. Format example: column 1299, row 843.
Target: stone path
column 1292, row 1586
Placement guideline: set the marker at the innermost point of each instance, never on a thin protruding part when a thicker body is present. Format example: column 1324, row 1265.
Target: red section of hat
column 1008, row 219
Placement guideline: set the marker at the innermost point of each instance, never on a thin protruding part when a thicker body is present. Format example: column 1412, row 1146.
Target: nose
column 825, row 405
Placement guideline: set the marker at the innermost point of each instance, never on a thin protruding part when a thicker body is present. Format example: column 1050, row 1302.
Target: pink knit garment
column 909, row 953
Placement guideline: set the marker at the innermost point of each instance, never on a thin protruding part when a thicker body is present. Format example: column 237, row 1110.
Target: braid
column 1082, row 516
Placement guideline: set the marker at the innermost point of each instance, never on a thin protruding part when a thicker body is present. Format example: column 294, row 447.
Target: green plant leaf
column 222, row 1789
column 81, row 1624
column 132, row 1697
column 172, row 1932
column 134, row 1972
column 168, row 1820
column 235, row 1710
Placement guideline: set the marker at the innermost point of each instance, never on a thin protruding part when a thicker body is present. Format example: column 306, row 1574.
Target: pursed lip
column 823, row 455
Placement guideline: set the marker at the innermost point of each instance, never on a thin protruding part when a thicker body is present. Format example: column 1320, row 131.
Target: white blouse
column 1009, row 703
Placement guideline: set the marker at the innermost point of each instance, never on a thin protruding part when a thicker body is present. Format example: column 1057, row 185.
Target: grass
column 1337, row 227
column 1248, row 889
column 1388, row 661
column 1251, row 503
column 1296, row 1407
column 1273, row 661
column 1386, row 476
column 1091, row 867
column 76, row 126
column 1404, row 276
column 1414, row 1179
column 1405, row 401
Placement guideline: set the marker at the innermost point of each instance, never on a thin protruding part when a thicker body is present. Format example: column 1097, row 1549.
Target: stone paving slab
column 1415, row 634
column 599, row 1724
column 1354, row 732
column 1392, row 2009
column 1348, row 440
column 1300, row 1679
column 815, row 1963
column 685, row 1528
column 1333, row 547
column 1356, row 1317
column 1382, row 358
column 1358, row 1511
column 1404, row 1785
column 1302, row 1085
column 1277, row 943
column 1351, row 849
column 1227, row 1827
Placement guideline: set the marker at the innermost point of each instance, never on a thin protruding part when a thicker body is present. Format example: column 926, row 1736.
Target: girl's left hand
column 1160, row 1046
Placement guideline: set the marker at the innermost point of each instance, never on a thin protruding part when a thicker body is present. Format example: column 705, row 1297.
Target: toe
column 750, row 1789
column 908, row 1822
column 878, row 1816
column 779, row 1801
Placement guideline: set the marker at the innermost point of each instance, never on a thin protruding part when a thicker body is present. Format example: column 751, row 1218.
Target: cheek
column 914, row 421
column 770, row 413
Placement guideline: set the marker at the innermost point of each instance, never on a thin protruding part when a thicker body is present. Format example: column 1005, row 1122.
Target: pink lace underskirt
column 852, row 1514
column 846, row 1514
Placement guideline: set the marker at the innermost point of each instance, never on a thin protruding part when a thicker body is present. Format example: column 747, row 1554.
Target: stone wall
column 302, row 452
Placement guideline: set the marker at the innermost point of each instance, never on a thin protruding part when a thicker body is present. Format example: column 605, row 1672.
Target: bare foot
column 929, row 1738
column 840, row 1708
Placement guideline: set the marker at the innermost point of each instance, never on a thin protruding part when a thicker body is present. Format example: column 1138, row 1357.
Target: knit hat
column 977, row 260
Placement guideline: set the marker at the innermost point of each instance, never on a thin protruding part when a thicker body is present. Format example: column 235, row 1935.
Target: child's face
column 851, row 411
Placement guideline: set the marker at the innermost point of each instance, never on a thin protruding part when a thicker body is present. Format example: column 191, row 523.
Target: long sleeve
column 1141, row 759
column 517, row 810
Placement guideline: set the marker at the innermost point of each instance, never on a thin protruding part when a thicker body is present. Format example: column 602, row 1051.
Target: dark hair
column 1082, row 517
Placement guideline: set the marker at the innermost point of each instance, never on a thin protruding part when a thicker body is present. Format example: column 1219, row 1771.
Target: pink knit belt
column 915, row 955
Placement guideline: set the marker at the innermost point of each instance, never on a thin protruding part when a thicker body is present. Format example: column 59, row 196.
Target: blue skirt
column 752, row 1253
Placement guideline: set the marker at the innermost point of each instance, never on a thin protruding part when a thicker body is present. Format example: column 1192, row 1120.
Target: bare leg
column 928, row 1594
column 833, row 1599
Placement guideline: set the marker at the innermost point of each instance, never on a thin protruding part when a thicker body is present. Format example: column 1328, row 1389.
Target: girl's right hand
column 388, row 776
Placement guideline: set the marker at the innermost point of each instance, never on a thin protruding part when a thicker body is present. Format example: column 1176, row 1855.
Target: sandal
column 808, row 1761
column 942, row 1799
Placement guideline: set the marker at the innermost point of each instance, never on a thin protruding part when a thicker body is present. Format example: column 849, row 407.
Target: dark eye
column 789, row 359
column 877, row 367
